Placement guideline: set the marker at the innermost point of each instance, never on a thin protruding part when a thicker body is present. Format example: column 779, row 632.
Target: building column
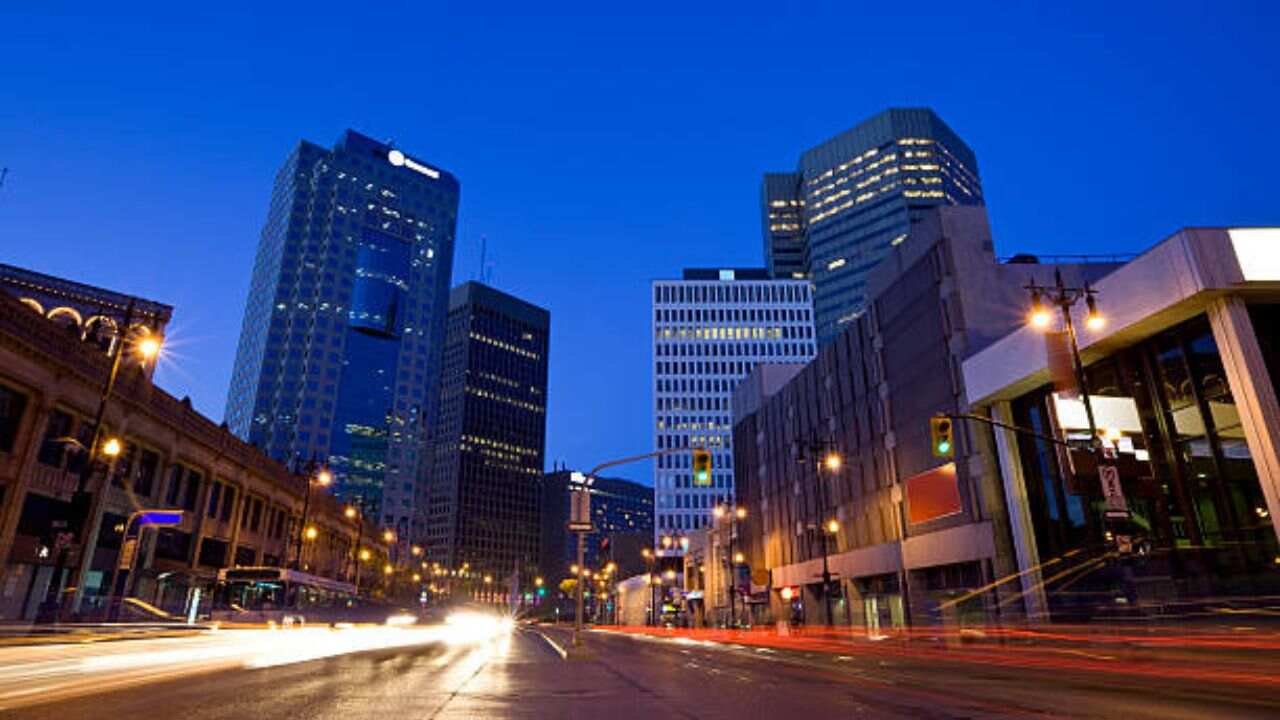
column 1253, row 392
column 15, row 493
column 1020, row 525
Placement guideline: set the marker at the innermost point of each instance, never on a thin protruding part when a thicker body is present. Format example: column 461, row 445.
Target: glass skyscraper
column 857, row 195
column 340, row 350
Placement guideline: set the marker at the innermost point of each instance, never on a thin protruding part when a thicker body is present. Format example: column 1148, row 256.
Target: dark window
column 145, row 473
column 255, row 520
column 12, row 406
column 215, row 492
column 228, row 502
column 56, row 431
column 193, row 491
column 213, row 553
column 175, row 486
column 123, row 463
column 172, row 544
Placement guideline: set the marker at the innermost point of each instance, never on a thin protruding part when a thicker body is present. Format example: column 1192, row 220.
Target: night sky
column 599, row 152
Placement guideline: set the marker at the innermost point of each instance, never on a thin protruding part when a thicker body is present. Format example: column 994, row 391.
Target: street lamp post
column 323, row 477
column 86, row 507
column 1064, row 297
column 353, row 514
column 824, row 454
column 732, row 558
column 649, row 560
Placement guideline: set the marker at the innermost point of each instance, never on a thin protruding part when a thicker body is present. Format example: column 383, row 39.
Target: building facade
column 782, row 209
column 859, row 194
column 710, row 328
column 906, row 537
column 483, row 498
column 240, row 507
column 93, row 314
column 621, row 511
column 339, row 354
column 1182, row 381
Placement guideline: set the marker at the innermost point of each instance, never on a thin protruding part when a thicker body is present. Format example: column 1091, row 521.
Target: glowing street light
column 388, row 536
column 148, row 347
column 350, row 512
column 324, row 478
column 833, row 526
column 312, row 533
column 387, row 569
column 112, row 447
column 739, row 558
column 833, row 461
column 365, row 555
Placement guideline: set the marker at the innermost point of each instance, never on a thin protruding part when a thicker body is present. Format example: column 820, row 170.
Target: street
column 521, row 673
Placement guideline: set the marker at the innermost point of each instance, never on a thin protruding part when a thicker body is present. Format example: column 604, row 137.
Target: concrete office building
column 483, row 499
column 710, row 328
column 1183, row 377
column 339, row 353
column 855, row 196
column 914, row 532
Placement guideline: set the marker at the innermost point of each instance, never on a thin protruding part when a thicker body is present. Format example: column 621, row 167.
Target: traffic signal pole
column 582, row 536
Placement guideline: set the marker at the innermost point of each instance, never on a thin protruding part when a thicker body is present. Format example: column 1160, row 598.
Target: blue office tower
column 855, row 196
column 340, row 350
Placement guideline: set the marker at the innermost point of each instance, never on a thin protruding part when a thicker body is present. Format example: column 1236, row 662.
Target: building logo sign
column 399, row 159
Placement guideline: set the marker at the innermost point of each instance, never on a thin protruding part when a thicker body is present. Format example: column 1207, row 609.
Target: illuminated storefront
column 1182, row 381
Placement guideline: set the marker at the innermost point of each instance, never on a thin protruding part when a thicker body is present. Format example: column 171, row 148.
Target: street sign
column 580, row 511
column 160, row 518
column 127, row 552
column 1113, row 491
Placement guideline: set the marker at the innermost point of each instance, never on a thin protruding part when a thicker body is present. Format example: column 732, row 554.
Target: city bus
column 272, row 594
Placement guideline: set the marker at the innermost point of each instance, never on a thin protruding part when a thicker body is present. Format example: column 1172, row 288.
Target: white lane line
column 564, row 655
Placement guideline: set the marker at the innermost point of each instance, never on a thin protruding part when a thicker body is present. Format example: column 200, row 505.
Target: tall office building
column 483, row 497
column 339, row 354
column 858, row 195
column 782, row 206
column 710, row 328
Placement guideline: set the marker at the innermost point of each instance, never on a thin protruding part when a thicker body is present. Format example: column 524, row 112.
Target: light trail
column 47, row 673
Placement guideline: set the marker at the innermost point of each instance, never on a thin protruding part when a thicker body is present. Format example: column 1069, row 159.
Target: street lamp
column 314, row 476
column 732, row 558
column 352, row 513
column 825, row 455
column 112, row 447
column 86, row 507
column 1063, row 297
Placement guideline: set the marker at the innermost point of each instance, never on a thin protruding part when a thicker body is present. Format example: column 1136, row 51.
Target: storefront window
column 1197, row 508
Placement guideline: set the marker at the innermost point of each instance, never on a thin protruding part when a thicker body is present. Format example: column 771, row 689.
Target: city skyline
column 540, row 213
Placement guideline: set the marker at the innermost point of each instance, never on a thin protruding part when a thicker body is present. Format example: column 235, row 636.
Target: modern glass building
column 483, row 498
column 340, row 349
column 1182, row 379
column 710, row 328
column 859, row 194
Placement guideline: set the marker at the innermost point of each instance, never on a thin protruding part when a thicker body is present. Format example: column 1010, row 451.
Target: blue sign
column 162, row 518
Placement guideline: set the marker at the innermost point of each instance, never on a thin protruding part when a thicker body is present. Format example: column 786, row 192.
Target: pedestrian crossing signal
column 941, row 437
column 701, row 468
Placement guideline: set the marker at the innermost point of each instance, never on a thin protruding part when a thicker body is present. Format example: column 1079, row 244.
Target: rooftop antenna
column 486, row 267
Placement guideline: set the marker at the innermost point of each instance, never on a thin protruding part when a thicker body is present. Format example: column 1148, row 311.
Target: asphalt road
column 523, row 675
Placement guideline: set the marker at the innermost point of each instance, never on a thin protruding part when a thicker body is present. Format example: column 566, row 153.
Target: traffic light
column 701, row 468
column 941, row 437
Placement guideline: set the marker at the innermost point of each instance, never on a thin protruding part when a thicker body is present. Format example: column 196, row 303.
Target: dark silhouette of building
column 621, row 511
column 483, row 494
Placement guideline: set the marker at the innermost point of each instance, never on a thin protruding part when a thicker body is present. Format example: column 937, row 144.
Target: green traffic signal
column 941, row 436
column 701, row 467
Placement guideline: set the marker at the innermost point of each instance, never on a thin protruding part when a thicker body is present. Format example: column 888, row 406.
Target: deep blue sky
column 599, row 151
